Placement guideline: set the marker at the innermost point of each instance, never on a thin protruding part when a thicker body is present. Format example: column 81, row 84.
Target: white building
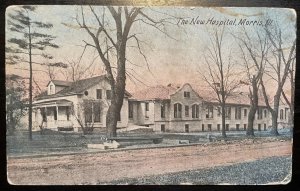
column 164, row 108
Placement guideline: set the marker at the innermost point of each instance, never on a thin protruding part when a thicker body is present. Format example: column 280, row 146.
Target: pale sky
column 175, row 61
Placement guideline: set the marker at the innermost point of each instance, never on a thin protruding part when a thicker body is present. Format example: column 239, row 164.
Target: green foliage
column 29, row 37
column 15, row 103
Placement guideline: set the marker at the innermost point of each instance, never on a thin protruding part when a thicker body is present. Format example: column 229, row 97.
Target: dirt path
column 105, row 167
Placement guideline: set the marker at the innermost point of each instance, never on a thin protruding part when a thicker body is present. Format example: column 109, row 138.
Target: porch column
column 46, row 114
column 56, row 113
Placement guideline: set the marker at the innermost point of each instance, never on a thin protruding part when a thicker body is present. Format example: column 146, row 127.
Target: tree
column 28, row 42
column 291, row 101
column 283, row 55
column 15, row 103
column 220, row 75
column 254, row 51
column 87, row 113
column 111, row 36
column 76, row 71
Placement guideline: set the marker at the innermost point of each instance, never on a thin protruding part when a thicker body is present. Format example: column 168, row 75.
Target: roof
column 79, row 87
column 60, row 83
column 61, row 102
column 163, row 93
column 154, row 93
column 241, row 97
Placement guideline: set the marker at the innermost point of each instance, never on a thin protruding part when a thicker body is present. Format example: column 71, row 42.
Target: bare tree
column 291, row 101
column 221, row 75
column 87, row 113
column 76, row 71
column 280, row 63
column 254, row 51
column 111, row 35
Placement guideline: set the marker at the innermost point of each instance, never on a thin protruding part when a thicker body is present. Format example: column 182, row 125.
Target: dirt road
column 104, row 167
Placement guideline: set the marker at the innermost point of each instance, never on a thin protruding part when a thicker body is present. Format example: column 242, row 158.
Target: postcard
column 159, row 95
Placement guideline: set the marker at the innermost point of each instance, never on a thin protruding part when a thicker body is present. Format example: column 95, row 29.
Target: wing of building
column 58, row 109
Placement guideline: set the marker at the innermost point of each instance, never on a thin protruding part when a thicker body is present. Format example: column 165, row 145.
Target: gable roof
column 186, row 84
column 81, row 85
column 154, row 93
column 60, row 83
column 78, row 87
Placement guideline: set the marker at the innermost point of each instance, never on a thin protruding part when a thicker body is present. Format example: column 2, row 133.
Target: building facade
column 65, row 102
column 188, row 109
column 170, row 108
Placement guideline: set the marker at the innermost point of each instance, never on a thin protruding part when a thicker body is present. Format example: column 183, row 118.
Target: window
column 259, row 113
column 186, row 128
column 237, row 127
column 86, row 93
column 202, row 127
column 228, row 112
column 265, row 127
column 68, row 113
column 219, row 111
column 130, row 110
column 146, row 106
column 119, row 117
column 238, row 111
column 195, row 111
column 163, row 110
column 88, row 111
column 245, row 127
column 209, row 127
column 97, row 114
column 281, row 114
column 177, row 110
column 186, row 94
column 265, row 113
column 51, row 89
column 285, row 112
column 259, row 127
column 227, row 127
column 92, row 111
column 108, row 94
column 162, row 128
column 186, row 109
column 146, row 110
column 245, row 113
column 218, row 127
column 209, row 112
column 99, row 93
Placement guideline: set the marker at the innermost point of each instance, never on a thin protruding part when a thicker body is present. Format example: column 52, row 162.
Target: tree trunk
column 223, row 120
column 274, row 130
column 251, row 117
column 30, row 88
column 111, row 121
column 253, row 107
column 274, row 113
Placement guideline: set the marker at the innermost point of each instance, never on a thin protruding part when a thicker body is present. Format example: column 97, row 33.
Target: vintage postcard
column 154, row 95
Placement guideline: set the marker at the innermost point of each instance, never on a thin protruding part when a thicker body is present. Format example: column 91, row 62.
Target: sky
column 170, row 61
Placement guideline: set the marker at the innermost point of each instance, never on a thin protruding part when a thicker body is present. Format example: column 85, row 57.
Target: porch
column 55, row 115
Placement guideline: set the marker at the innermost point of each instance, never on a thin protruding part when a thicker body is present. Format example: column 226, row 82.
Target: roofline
column 212, row 102
column 58, row 95
column 190, row 87
column 155, row 99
